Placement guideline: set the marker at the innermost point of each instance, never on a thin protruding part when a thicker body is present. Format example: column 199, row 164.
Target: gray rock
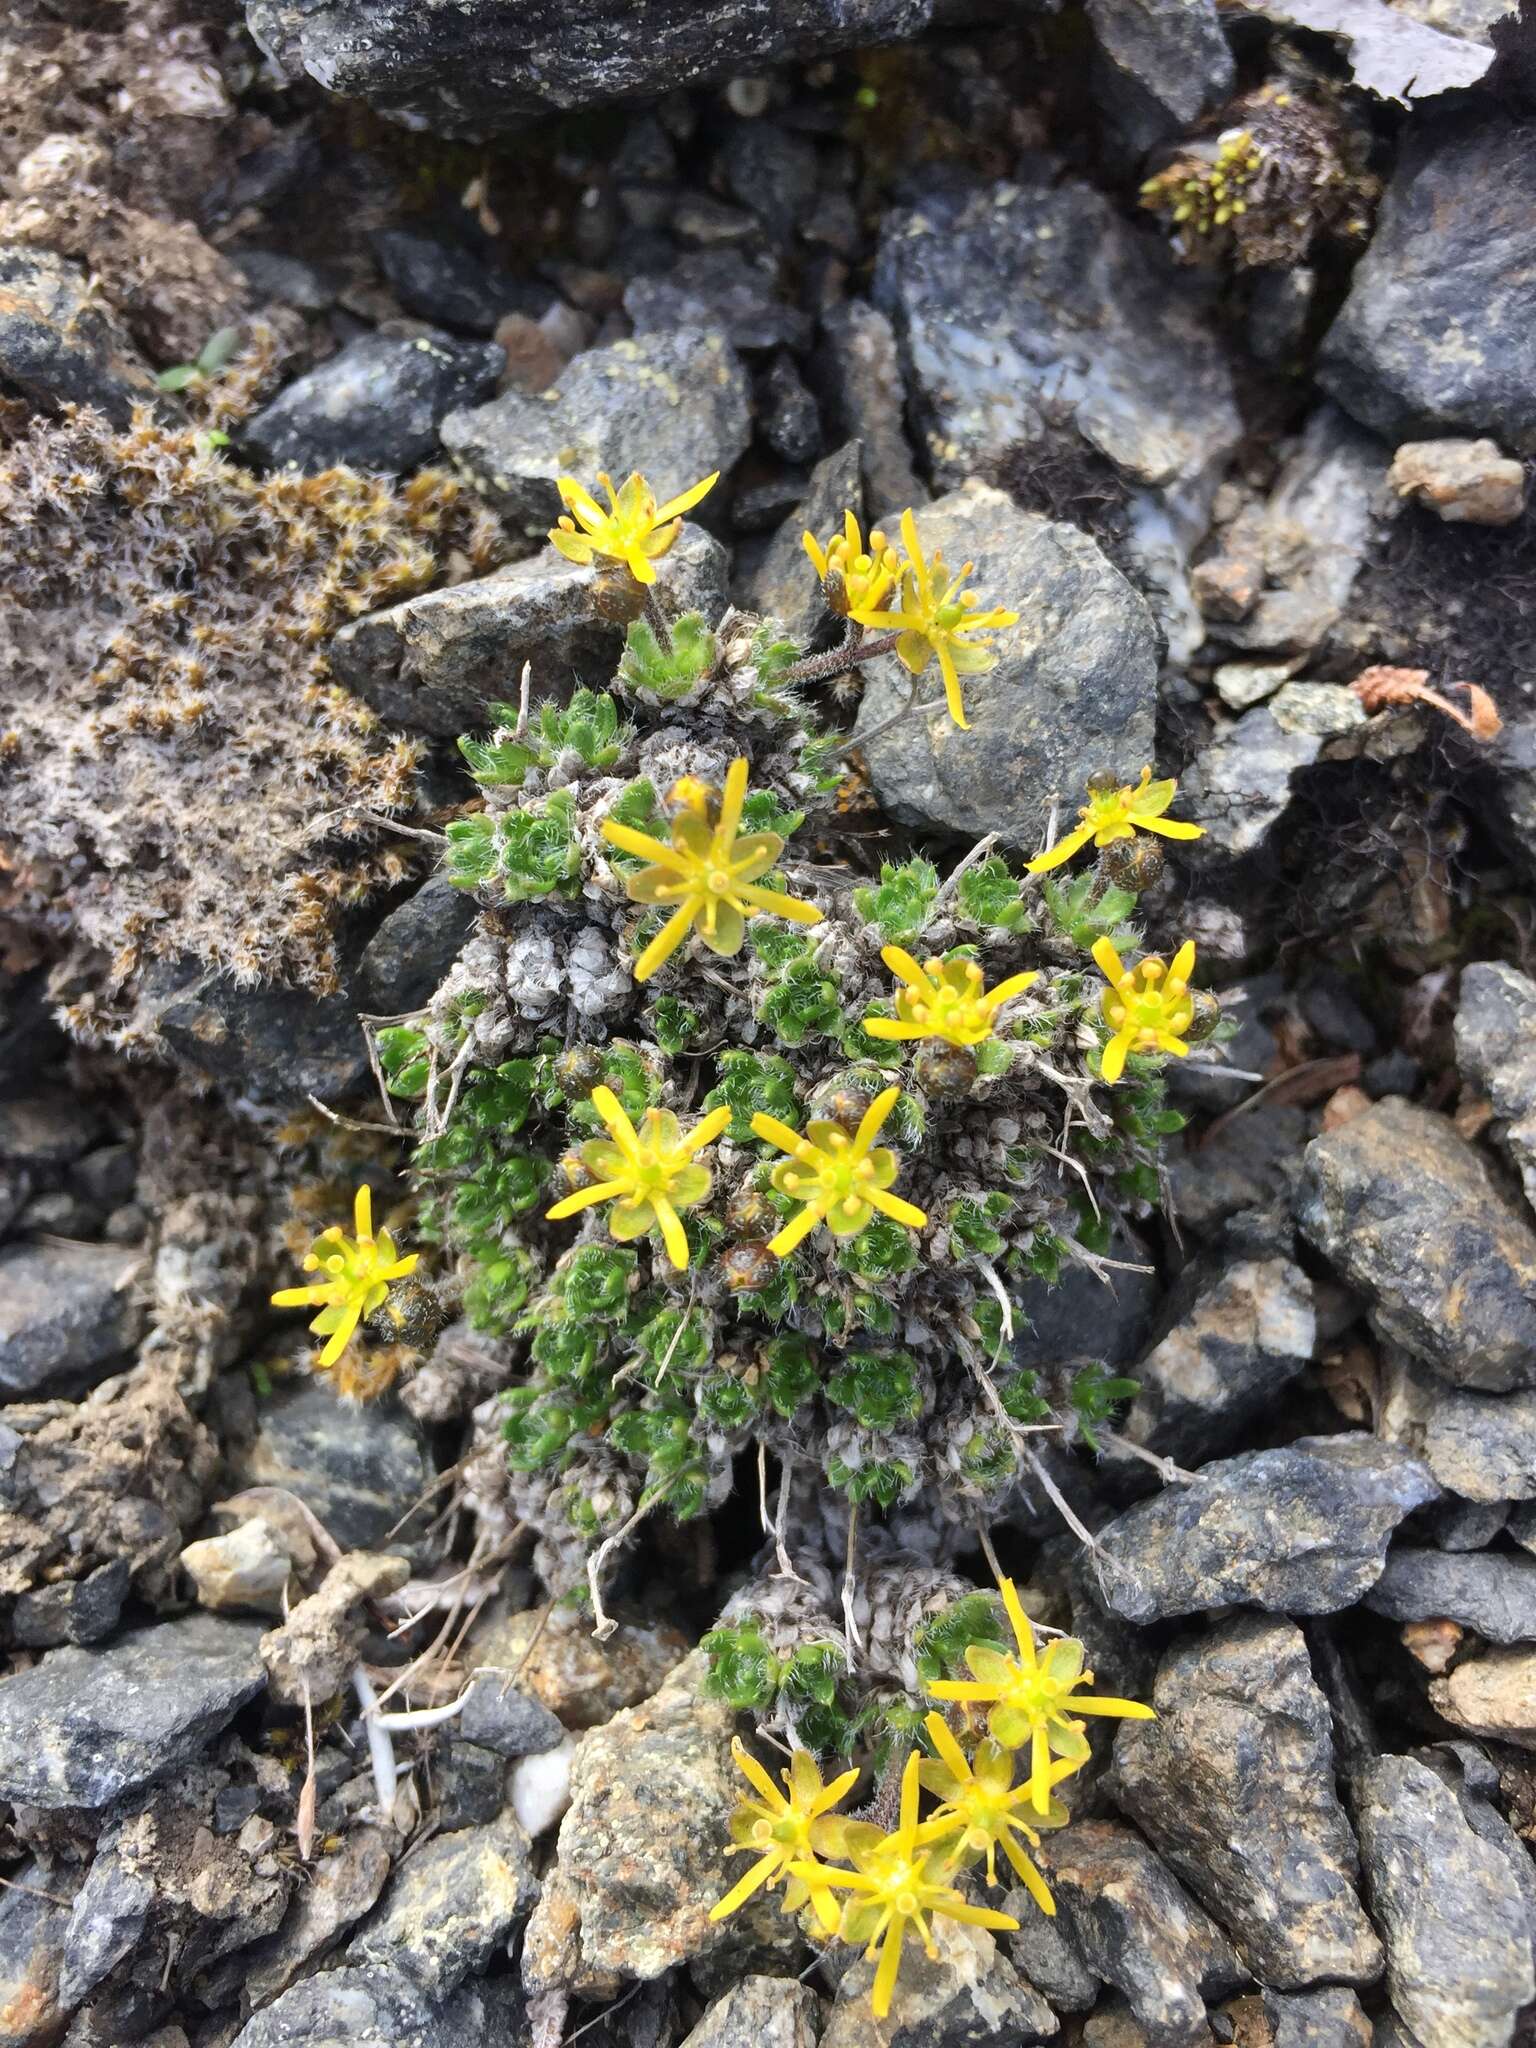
column 444, row 281
column 1481, row 1590
column 673, row 406
column 1465, row 1524
column 1074, row 689
column 1234, row 1785
column 1438, row 334
column 275, row 1045
column 376, row 405
column 1254, row 1162
column 499, row 1717
column 1050, row 1319
column 965, row 1996
column 860, row 377
column 1492, row 1696
column 1402, row 1206
column 1158, row 66
column 1480, row 1446
column 1138, row 1929
column 1457, row 1931
column 109, row 1914
column 1511, row 784
column 1330, row 2017
column 469, row 1786
column 787, row 417
column 1045, row 1954
column 783, row 586
column 449, row 1907
column 1496, row 1050
column 760, row 2012
column 85, row 1726
column 477, row 69
column 67, row 1316
column 1475, row 1778
column 1232, row 1337
column 434, row 662
column 341, row 1888
column 718, row 292
column 1018, row 304
column 84, row 1610
column 1240, row 785
column 1323, row 710
column 33, row 2003
column 1300, row 1530
column 59, row 345
column 359, row 1468
column 377, row 2008
column 48, row 1129
column 413, row 949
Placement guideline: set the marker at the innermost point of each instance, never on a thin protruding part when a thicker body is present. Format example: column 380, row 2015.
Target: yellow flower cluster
column 899, row 1881
column 1200, row 193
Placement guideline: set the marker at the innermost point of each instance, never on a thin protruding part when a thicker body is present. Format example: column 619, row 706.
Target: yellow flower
column 981, row 1808
column 897, row 1889
column 945, row 999
column 1148, row 1008
column 938, row 617
column 358, row 1272
column 649, row 1174
column 1111, row 814
column 866, row 574
column 634, row 530
column 1034, row 1698
column 784, row 1833
column 708, row 873
column 841, row 1182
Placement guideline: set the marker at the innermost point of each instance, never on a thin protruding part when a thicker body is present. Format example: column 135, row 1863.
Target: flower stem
column 656, row 618
column 815, row 668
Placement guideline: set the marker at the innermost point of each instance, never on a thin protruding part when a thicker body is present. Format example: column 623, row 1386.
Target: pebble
column 1466, row 482
column 68, row 1317
column 760, row 2012
column 1496, row 1050
column 449, row 1906
column 1481, row 1590
column 359, row 1469
column 59, row 344
column 376, row 405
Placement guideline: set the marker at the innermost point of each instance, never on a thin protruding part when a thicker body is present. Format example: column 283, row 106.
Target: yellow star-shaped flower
column 945, row 999
column 838, row 1178
column 635, row 530
column 782, row 1829
column 940, row 619
column 358, row 1273
column 1148, row 1008
column 1111, row 814
column 648, row 1175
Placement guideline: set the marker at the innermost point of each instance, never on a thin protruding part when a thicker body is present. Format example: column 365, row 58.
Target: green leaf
column 471, row 858
column 900, row 906
column 178, row 377
column 988, row 894
column 661, row 675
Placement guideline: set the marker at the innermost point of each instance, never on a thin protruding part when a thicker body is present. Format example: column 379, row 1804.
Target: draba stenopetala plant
column 736, row 1149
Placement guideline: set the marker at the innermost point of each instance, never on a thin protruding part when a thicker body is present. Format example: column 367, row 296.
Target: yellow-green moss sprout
column 358, row 1269
column 841, row 1181
column 649, row 1175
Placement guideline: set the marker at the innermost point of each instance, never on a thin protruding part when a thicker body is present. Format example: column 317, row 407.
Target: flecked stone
column 1466, row 482
column 1074, row 688
column 1013, row 301
column 858, row 371
column 1234, row 1785
column 1158, row 67
column 61, row 346
column 1138, row 1929
column 582, row 1681
column 1240, row 785
column 1492, row 1696
column 1298, row 1530
column 342, row 1886
column 1045, row 1953
column 499, row 1717
column 1481, row 1446
column 1437, row 333
column 449, row 1906
column 436, row 661
column 376, row 405
column 33, row 1996
column 968, row 1995
column 358, row 1468
column 760, row 2012
column 1404, row 1209
column 1330, row 2017
column 85, row 1726
column 67, row 1316
column 674, row 406
column 379, row 2008
column 1496, row 1050
column 83, row 1610
column 1494, row 1594
column 784, row 584
column 717, row 291
column 1457, row 1932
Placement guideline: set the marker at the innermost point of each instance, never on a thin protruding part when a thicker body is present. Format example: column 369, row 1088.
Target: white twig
column 988, row 1273
column 1170, row 1473
column 381, row 1751
column 977, row 853
column 780, row 1520
column 850, row 1626
column 521, row 726
column 603, row 1623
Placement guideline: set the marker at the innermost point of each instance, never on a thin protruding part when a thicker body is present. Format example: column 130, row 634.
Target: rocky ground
column 1264, row 515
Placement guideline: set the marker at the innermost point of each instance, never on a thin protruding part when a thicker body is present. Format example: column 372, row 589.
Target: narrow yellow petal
column 1128, row 1710
column 1056, row 856
column 940, row 1736
column 362, row 1206
column 952, row 694
column 616, row 1117
column 1172, row 828
column 1112, row 1064
column 1182, row 965
column 585, row 1198
column 739, row 1894
column 732, row 797
column 300, row 1297
column 898, row 1210
column 705, row 1131
column 885, row 1975
column 647, row 848
column 891, row 1028
column 775, row 1133
column 872, row 1119
column 798, row 1227
column 1108, row 961
column 666, row 941
column 1018, row 1620
column 686, row 500
column 341, row 1337
column 673, row 1235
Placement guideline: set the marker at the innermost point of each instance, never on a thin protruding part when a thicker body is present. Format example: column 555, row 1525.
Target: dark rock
column 1074, row 688
column 1254, row 1162
column 1158, row 67
column 787, row 415
column 1232, row 1337
column 436, row 661
column 1300, row 1530
column 59, row 345
column 1475, row 1778
column 375, row 406
column 500, row 1718
column 1046, row 1955
column 1437, row 333
column 46, row 1129
column 478, row 69
column 108, row 1917
column 1240, row 785
column 450, row 1906
column 1329, row 1005
column 1465, row 1524
column 72, row 1610
column 33, row 2002
column 85, row 1726
column 288, row 280
column 1138, row 1929
column 760, row 2012
column 408, row 956
column 758, row 507
column 1480, row 1446
column 67, row 1316
column 356, row 2008
column 1511, row 783
column 783, row 586
column 107, row 1177
column 1493, row 1594
column 1330, row 2017
column 1457, row 1931
column 359, row 1469
column 1496, row 1050
column 967, row 1994
column 859, row 373
column 673, row 406
column 442, row 280
column 1019, row 304
column 1234, row 1785
column 341, row 1887
column 720, row 292
column 1404, row 1208
column 771, row 171
column 469, row 1786
column 276, row 1045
